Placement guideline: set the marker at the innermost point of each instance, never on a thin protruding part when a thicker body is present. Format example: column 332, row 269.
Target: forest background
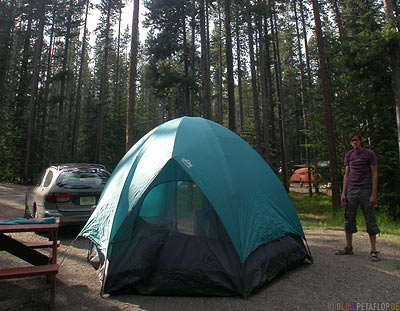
column 291, row 77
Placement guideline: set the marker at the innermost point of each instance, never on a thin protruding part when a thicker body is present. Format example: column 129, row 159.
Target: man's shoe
column 345, row 251
column 373, row 256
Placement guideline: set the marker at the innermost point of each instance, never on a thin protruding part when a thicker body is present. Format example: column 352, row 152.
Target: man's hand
column 372, row 199
column 343, row 199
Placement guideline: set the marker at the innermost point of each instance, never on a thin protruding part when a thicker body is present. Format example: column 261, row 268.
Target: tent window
column 177, row 206
column 189, row 202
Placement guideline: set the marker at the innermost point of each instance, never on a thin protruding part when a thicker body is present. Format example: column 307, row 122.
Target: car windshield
column 82, row 178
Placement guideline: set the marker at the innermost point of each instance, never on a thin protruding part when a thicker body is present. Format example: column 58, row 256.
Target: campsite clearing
column 330, row 282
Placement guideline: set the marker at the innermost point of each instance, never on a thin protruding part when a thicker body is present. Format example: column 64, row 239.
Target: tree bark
column 308, row 83
column 264, row 93
column 103, row 88
column 338, row 18
column 278, row 83
column 219, row 110
column 305, row 40
column 271, row 124
column 186, row 109
column 229, row 67
column 253, row 79
column 328, row 108
column 130, row 110
column 205, row 79
column 75, row 127
column 35, row 81
column 302, row 94
column 45, row 97
column 63, row 81
column 192, row 57
column 23, row 72
column 239, row 72
column 5, row 53
column 117, row 61
column 395, row 60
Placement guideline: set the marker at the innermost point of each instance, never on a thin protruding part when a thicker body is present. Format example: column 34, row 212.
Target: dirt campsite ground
column 330, row 283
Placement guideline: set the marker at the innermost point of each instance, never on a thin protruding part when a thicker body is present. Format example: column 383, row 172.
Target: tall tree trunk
column 253, row 79
column 264, row 93
column 229, row 67
column 328, row 108
column 35, row 80
column 75, row 127
column 186, row 64
column 205, row 79
column 19, row 107
column 239, row 71
column 281, row 119
column 130, row 116
column 117, row 65
column 305, row 40
column 63, row 82
column 5, row 50
column 103, row 88
column 299, row 154
column 45, row 97
column 219, row 112
column 207, row 4
column 308, row 83
column 338, row 18
column 269, row 78
column 192, row 57
column 23, row 72
column 302, row 94
column 395, row 60
column 118, row 57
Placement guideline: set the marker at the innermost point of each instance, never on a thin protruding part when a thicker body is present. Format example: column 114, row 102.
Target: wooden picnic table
column 41, row 264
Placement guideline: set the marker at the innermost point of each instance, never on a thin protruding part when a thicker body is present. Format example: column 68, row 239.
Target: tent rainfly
column 192, row 209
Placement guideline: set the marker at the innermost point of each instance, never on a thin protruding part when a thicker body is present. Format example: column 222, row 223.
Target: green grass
column 315, row 213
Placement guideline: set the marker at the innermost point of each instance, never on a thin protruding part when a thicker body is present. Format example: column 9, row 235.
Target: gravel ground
column 332, row 282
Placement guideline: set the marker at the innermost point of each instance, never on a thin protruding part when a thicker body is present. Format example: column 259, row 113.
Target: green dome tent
column 192, row 209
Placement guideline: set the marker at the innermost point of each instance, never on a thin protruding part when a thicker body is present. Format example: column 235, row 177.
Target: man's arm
column 374, row 176
column 345, row 179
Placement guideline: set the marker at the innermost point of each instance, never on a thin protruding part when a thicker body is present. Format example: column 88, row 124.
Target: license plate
column 87, row 200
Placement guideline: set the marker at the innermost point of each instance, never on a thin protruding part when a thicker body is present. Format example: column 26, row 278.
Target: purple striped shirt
column 360, row 168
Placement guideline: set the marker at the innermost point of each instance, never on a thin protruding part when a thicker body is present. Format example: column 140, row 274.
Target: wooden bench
column 43, row 244
column 42, row 264
column 48, row 270
column 19, row 272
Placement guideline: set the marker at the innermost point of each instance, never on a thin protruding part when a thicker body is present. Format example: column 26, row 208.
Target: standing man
column 359, row 189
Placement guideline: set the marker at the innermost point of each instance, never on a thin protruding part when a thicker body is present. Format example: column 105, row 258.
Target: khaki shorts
column 355, row 198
